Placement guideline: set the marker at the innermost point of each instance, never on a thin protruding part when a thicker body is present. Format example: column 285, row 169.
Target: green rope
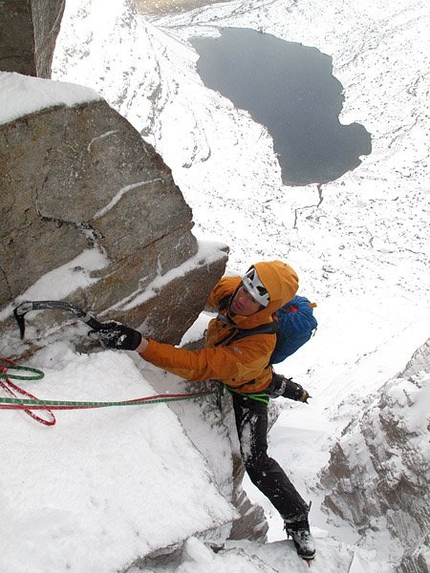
column 35, row 373
column 15, row 403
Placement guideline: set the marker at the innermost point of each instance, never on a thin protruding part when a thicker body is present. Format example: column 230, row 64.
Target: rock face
column 80, row 179
column 28, row 31
column 84, row 197
column 379, row 473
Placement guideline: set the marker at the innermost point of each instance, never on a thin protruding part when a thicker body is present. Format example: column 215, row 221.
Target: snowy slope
column 103, row 488
column 368, row 228
column 360, row 245
column 96, row 491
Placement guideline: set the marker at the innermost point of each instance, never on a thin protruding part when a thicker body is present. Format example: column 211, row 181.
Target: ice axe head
column 24, row 307
column 19, row 313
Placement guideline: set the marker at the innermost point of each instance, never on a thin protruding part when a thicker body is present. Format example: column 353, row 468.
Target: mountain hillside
column 152, row 479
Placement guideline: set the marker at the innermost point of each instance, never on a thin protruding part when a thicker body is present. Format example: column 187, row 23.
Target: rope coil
column 5, row 372
column 12, row 389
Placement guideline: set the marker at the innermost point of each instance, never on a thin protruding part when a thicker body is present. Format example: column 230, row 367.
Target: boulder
column 78, row 180
column 28, row 32
column 378, row 475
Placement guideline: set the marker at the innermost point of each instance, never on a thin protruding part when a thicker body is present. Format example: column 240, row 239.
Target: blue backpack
column 297, row 323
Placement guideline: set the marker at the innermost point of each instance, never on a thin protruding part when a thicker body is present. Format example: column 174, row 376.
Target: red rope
column 12, row 389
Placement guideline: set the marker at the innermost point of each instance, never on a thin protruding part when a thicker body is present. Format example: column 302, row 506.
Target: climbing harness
column 263, row 397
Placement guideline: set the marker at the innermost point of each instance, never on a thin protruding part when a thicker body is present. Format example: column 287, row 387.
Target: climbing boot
column 304, row 543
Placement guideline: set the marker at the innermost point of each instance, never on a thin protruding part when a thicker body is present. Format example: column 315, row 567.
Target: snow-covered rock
column 379, row 474
column 82, row 190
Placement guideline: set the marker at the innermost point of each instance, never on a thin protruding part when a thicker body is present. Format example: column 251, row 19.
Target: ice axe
column 21, row 310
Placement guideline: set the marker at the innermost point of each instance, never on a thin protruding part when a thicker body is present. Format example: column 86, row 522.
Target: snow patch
column 62, row 281
column 36, row 94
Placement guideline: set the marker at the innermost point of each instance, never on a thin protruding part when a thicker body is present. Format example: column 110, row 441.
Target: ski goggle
column 252, row 283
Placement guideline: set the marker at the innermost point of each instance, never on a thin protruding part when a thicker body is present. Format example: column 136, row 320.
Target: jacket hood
column 281, row 282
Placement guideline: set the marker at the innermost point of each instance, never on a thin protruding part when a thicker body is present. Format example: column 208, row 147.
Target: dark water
column 290, row 89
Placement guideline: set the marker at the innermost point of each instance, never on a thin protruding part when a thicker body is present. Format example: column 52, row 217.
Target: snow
column 95, row 489
column 102, row 488
column 64, row 280
column 36, row 94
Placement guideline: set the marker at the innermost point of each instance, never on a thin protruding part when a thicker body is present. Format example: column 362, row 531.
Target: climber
column 242, row 366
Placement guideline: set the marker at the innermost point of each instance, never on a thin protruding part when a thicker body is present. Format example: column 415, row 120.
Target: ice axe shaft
column 21, row 310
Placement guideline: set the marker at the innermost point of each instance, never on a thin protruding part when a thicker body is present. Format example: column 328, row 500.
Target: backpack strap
column 269, row 328
column 237, row 333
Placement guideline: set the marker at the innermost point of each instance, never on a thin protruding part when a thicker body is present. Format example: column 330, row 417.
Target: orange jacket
column 244, row 365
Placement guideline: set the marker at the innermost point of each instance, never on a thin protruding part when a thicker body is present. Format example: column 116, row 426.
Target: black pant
column 264, row 472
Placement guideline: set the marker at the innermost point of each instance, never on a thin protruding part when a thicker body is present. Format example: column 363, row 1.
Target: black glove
column 281, row 386
column 117, row 336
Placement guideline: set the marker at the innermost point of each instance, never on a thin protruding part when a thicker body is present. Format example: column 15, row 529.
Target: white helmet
column 252, row 283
